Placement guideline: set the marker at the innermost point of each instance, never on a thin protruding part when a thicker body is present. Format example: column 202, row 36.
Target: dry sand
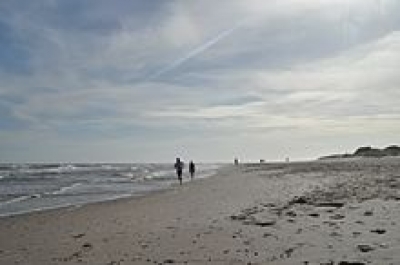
column 337, row 212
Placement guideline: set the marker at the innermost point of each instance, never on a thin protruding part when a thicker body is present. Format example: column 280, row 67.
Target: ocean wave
column 148, row 177
column 5, row 167
column 21, row 178
column 40, row 169
column 117, row 179
column 109, row 167
column 16, row 200
column 129, row 175
column 160, row 175
column 65, row 189
column 76, row 205
column 35, row 185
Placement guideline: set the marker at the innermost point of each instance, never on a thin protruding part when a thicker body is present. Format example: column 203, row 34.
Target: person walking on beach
column 179, row 168
column 192, row 169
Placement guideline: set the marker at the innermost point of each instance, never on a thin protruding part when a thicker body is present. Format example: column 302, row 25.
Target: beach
column 344, row 211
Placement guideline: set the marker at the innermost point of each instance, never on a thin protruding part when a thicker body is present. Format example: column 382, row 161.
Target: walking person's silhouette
column 192, row 169
column 179, row 168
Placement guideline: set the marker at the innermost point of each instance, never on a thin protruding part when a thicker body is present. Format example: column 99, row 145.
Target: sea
column 26, row 188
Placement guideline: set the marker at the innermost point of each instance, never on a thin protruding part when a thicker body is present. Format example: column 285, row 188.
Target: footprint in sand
column 365, row 248
column 80, row 235
column 368, row 213
column 337, row 216
column 315, row 215
column 87, row 246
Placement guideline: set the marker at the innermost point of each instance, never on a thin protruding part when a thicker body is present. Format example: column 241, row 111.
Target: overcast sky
column 151, row 80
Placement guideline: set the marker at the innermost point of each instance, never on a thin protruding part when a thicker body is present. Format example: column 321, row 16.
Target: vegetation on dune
column 367, row 151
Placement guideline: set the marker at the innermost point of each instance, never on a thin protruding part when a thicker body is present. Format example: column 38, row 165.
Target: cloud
column 80, row 71
column 346, row 86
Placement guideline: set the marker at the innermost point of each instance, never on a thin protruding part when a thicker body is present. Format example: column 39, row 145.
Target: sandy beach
column 344, row 212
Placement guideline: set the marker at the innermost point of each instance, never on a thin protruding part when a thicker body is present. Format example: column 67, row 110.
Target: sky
column 149, row 81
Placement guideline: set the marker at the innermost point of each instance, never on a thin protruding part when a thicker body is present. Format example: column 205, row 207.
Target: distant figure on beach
column 179, row 168
column 236, row 161
column 192, row 169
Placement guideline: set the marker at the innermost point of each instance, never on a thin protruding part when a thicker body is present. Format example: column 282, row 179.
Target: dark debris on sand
column 331, row 205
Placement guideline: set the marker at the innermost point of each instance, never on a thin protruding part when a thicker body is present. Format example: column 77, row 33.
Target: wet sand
column 323, row 212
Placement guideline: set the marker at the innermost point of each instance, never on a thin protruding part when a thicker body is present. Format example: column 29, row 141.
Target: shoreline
column 136, row 196
column 280, row 213
column 151, row 187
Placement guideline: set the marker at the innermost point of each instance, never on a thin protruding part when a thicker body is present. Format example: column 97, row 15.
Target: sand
column 322, row 212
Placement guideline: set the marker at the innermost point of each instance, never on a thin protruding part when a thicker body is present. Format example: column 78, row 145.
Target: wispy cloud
column 197, row 51
column 168, row 73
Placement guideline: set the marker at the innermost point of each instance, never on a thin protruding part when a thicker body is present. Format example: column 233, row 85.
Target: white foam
column 130, row 175
column 148, row 177
column 92, row 186
column 64, row 205
column 108, row 167
column 66, row 189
